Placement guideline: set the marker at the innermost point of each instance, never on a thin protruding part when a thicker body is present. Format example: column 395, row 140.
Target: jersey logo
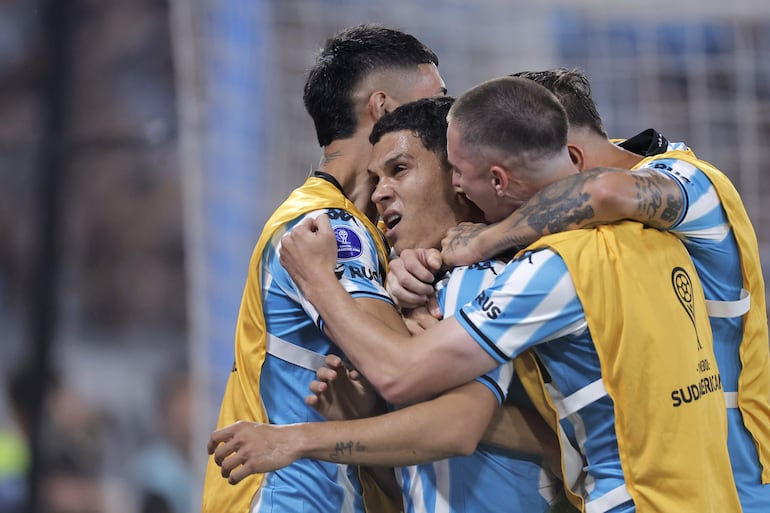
column 684, row 293
column 348, row 243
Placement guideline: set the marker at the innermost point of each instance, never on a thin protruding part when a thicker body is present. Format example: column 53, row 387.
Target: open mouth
column 392, row 220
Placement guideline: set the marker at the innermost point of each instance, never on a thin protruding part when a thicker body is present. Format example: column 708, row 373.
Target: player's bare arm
column 514, row 427
column 450, row 425
column 393, row 362
column 341, row 393
column 587, row 199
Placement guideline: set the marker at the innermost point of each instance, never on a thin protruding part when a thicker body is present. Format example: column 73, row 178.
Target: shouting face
column 414, row 193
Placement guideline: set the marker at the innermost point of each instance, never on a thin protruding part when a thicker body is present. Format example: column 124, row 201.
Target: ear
column 499, row 178
column 378, row 104
column 576, row 155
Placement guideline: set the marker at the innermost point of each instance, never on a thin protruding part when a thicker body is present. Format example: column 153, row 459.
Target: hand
column 421, row 318
column 309, row 252
column 410, row 280
column 246, row 448
column 460, row 245
column 341, row 393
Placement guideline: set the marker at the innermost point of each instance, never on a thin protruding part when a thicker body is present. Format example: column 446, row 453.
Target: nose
column 382, row 192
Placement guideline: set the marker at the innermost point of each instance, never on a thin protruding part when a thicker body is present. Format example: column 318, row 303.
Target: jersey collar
column 647, row 143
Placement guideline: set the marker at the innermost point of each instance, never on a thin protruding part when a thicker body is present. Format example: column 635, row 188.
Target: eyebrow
column 395, row 158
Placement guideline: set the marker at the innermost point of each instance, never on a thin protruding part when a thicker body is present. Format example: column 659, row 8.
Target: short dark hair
column 514, row 116
column 344, row 61
column 572, row 88
column 425, row 118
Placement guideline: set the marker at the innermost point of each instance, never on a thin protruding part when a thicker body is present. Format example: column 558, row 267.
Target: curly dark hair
column 426, row 118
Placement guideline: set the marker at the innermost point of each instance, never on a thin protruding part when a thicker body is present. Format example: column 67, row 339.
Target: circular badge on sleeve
column 348, row 243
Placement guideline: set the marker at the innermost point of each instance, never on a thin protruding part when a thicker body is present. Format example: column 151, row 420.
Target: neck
column 346, row 160
column 615, row 156
column 599, row 151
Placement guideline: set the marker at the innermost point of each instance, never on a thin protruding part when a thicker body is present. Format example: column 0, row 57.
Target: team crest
column 348, row 243
column 684, row 293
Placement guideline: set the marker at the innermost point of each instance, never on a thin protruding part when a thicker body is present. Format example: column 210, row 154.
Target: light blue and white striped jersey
column 490, row 480
column 309, row 485
column 704, row 229
column 533, row 304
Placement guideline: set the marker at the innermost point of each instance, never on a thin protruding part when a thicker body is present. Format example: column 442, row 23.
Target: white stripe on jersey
column 443, row 472
column 559, row 297
column 452, row 291
column 464, row 283
column 715, row 233
column 703, row 206
column 459, row 287
column 577, row 479
column 415, row 489
column 349, row 502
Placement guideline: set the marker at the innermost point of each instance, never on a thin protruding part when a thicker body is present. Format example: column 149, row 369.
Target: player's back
column 711, row 241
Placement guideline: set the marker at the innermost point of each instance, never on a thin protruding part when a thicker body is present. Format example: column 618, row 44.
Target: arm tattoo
column 346, row 449
column 651, row 209
column 560, row 205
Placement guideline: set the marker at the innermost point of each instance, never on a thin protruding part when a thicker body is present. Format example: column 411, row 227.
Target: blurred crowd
column 115, row 431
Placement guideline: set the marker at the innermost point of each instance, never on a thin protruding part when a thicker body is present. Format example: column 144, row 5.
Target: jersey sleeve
column 461, row 286
column 499, row 381
column 703, row 217
column 358, row 269
column 533, row 301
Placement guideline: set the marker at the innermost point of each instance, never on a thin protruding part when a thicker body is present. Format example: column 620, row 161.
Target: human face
column 473, row 178
column 414, row 194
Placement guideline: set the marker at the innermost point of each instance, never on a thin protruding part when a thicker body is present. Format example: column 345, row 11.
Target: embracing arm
column 583, row 200
column 522, row 429
column 403, row 369
column 449, row 425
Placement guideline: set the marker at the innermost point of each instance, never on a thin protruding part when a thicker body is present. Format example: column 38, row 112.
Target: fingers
column 404, row 297
column 219, row 436
column 323, row 225
column 434, row 309
column 324, row 375
column 432, row 259
column 419, row 319
column 410, row 280
column 227, row 459
column 334, row 362
column 422, row 263
column 238, row 475
column 318, row 387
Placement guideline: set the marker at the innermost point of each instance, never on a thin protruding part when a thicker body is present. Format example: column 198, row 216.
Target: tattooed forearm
column 583, row 200
column 652, row 209
column 648, row 196
column 347, row 448
column 562, row 205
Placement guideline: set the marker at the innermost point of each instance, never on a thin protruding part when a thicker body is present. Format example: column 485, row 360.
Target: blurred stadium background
column 144, row 142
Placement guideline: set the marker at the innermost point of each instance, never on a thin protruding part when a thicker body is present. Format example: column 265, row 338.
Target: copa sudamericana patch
column 348, row 243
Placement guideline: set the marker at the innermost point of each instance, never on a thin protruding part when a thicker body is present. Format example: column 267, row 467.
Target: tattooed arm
column 584, row 200
column 449, row 425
